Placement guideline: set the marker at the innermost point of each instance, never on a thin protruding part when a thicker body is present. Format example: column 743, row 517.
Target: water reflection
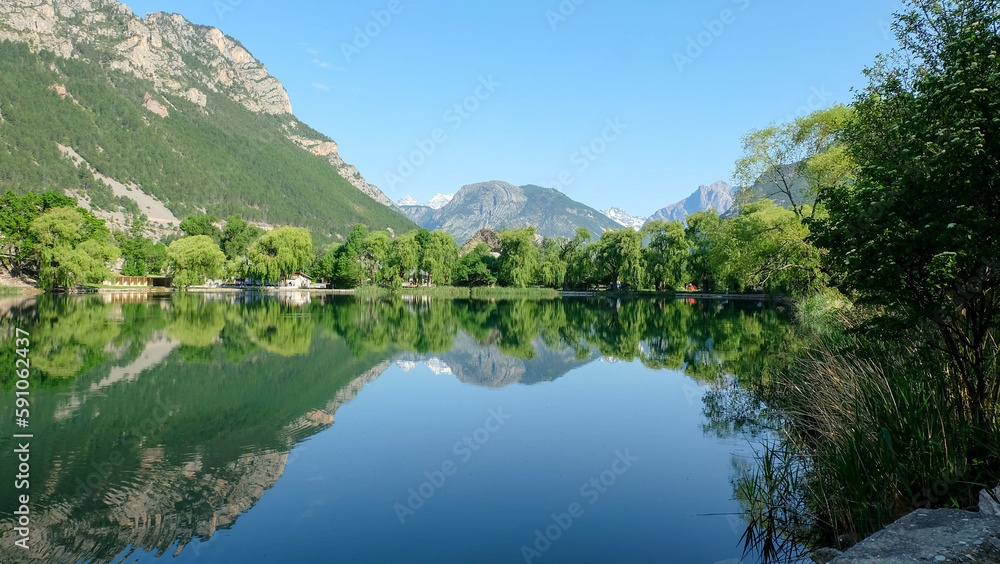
column 166, row 418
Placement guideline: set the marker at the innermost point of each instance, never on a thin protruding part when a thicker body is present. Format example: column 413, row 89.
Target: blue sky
column 442, row 94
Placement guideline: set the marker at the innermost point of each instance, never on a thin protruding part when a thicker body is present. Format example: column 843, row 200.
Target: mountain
column 622, row 218
column 408, row 201
column 497, row 205
column 718, row 196
column 160, row 111
column 439, row 201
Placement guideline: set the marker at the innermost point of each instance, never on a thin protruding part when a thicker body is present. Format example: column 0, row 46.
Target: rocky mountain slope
column 497, row 205
column 180, row 111
column 622, row 218
column 718, row 196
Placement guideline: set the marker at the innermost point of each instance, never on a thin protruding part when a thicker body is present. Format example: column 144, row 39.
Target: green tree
column 280, row 253
column 551, row 266
column 237, row 236
column 619, row 258
column 72, row 247
column 666, row 254
column 789, row 162
column 192, row 260
column 765, row 249
column 518, row 257
column 17, row 244
column 375, row 256
column 580, row 261
column 405, row 258
column 142, row 256
column 349, row 272
column 476, row 268
column 202, row 224
column 703, row 232
column 440, row 254
column 918, row 232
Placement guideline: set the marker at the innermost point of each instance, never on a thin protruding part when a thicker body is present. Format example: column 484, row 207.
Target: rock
column 824, row 555
column 484, row 236
column 941, row 535
column 154, row 106
column 151, row 49
column 988, row 503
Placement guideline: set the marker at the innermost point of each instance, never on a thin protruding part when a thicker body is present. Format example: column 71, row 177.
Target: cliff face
column 154, row 49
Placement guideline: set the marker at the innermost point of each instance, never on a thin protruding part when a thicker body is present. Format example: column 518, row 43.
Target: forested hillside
column 217, row 156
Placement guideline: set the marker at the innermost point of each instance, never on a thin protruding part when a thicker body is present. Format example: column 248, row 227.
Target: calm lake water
column 243, row 428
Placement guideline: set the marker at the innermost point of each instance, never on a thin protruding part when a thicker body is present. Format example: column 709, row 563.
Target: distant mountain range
column 718, row 196
column 497, row 205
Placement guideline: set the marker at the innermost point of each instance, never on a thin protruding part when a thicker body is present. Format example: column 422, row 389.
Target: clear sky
column 660, row 91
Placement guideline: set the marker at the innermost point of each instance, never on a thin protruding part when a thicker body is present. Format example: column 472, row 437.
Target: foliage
column 619, row 258
column 280, row 253
column 202, row 224
column 477, row 268
column 666, row 256
column 518, row 257
column 72, row 248
column 237, row 236
column 192, row 260
column 17, row 244
column 142, row 256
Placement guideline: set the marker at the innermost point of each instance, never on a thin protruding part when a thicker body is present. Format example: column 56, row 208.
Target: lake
column 298, row 428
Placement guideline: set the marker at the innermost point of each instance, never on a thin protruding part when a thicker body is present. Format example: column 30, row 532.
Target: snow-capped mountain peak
column 622, row 218
column 439, row 201
column 408, row 201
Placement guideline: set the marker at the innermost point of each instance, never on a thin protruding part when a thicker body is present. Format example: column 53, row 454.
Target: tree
column 405, row 258
column 518, row 257
column 702, row 233
column 780, row 161
column 375, row 256
column 72, row 247
column 551, row 266
column 619, row 258
column 142, row 256
column 202, row 224
column 580, row 260
column 280, row 253
column 17, row 244
column 918, row 231
column 666, row 254
column 237, row 236
column 192, row 260
column 440, row 254
column 765, row 249
column 476, row 268
column 348, row 272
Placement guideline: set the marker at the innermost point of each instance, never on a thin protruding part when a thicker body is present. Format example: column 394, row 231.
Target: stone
column 824, row 555
column 988, row 502
column 941, row 535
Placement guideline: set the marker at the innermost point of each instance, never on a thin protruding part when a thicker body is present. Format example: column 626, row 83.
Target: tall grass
column 11, row 291
column 451, row 292
column 875, row 429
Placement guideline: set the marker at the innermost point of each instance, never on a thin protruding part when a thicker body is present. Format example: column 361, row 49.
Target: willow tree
column 280, row 253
